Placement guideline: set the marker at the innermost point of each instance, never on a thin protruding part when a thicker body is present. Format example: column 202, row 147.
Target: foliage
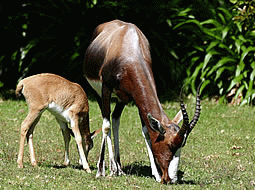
column 225, row 59
column 47, row 36
column 189, row 42
column 245, row 13
column 42, row 36
column 219, row 152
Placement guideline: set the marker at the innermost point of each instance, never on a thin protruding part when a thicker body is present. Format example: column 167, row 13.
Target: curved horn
column 198, row 109
column 184, row 114
column 185, row 125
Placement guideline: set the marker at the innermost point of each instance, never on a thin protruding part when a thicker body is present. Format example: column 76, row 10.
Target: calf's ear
column 156, row 125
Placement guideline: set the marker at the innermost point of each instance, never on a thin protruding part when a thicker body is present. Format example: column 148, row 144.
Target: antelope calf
column 68, row 102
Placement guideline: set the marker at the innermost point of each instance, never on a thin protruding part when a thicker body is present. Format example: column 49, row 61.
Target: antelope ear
column 178, row 118
column 155, row 125
column 95, row 133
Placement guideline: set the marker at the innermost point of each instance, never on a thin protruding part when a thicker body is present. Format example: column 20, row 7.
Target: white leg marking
column 101, row 162
column 66, row 136
column 106, row 129
column 31, row 150
column 148, row 144
column 78, row 139
column 107, row 134
column 173, row 166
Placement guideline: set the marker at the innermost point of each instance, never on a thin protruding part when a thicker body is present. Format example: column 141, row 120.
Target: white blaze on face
column 173, row 166
column 154, row 169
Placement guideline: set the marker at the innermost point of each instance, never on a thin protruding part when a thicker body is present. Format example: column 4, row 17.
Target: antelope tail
column 19, row 88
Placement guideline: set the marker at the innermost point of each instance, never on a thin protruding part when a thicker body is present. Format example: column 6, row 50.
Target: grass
column 219, row 153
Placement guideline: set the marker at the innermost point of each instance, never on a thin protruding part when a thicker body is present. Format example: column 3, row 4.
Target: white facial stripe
column 173, row 166
column 148, row 144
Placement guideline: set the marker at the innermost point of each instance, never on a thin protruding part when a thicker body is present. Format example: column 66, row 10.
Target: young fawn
column 68, row 102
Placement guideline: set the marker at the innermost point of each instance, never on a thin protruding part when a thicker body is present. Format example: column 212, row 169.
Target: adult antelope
column 119, row 58
column 68, row 102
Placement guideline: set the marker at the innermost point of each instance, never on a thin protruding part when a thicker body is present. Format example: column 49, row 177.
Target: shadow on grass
column 141, row 170
column 137, row 168
column 77, row 167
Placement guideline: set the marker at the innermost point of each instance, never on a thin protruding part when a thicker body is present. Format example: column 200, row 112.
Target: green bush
column 244, row 12
column 225, row 59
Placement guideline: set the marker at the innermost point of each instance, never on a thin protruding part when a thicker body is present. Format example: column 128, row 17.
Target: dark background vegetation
column 190, row 41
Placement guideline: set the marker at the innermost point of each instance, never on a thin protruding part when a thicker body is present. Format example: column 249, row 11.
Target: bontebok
column 119, row 58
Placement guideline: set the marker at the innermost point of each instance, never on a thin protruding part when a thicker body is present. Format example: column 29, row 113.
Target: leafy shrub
column 225, row 59
column 244, row 12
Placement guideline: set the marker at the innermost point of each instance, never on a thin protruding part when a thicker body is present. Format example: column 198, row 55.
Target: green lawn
column 219, row 153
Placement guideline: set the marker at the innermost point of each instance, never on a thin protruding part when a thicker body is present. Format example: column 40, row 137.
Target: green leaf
column 221, row 70
column 184, row 12
column 241, row 37
column 225, row 32
column 240, row 68
column 213, row 22
column 222, row 18
column 253, row 65
column 194, row 77
column 205, row 83
column 240, row 89
column 245, row 101
column 220, row 63
column 208, row 56
column 245, row 52
column 252, row 75
column 193, row 21
column 212, row 45
column 238, row 44
column 235, row 81
column 228, row 15
column 239, row 26
column 172, row 52
column 233, row 1
column 211, row 33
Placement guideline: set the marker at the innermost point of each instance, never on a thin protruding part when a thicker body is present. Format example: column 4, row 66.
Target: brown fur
column 40, row 91
column 119, row 57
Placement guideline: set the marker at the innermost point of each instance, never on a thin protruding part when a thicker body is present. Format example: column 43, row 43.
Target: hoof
column 66, row 164
column 99, row 174
column 20, row 163
column 20, row 166
column 87, row 170
column 34, row 163
column 117, row 173
column 116, row 169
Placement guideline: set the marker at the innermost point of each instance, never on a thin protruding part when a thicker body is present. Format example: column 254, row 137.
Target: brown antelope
column 68, row 102
column 119, row 59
